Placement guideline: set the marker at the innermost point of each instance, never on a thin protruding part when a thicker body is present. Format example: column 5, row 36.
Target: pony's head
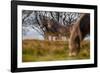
column 78, row 32
column 74, row 40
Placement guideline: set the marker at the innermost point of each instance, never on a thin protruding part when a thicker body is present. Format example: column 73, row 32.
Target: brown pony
column 79, row 30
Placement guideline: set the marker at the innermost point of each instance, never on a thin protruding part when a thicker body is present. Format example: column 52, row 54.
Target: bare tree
column 41, row 21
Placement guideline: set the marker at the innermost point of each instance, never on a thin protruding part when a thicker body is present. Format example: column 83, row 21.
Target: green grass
column 37, row 50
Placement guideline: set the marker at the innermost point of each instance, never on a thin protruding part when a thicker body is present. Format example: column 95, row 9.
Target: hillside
column 41, row 50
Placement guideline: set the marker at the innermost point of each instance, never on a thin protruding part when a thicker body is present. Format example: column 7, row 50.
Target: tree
column 47, row 22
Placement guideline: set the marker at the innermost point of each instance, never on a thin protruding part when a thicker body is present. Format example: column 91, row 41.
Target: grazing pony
column 79, row 30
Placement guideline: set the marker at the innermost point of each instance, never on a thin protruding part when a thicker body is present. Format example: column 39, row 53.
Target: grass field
column 39, row 50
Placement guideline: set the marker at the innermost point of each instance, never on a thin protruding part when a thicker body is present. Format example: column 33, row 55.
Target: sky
column 33, row 34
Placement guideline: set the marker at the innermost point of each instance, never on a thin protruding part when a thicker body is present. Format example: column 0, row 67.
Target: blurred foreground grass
column 39, row 50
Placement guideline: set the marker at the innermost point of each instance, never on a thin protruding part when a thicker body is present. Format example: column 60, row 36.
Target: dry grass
column 38, row 50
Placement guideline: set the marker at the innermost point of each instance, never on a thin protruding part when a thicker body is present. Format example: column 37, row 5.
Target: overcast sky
column 33, row 34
